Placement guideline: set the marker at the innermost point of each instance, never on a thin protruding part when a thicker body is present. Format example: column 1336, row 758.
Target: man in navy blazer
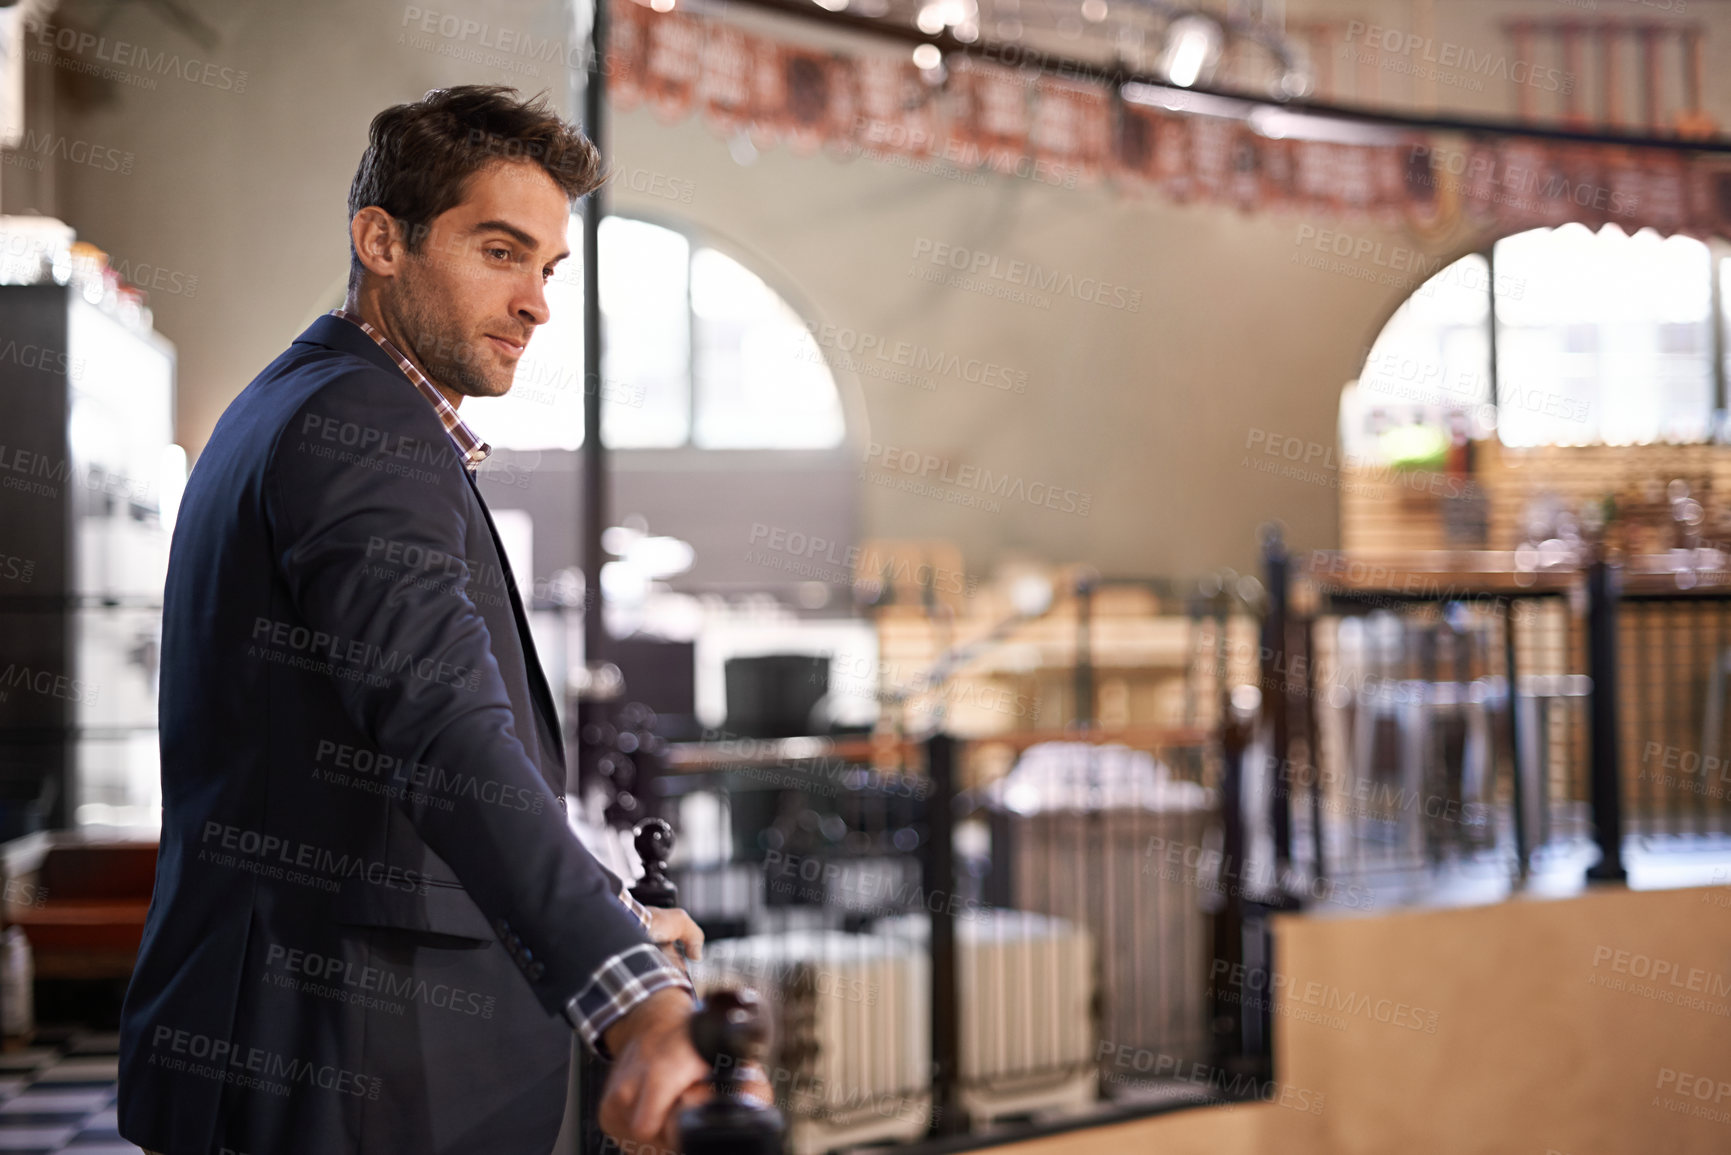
column 373, row 930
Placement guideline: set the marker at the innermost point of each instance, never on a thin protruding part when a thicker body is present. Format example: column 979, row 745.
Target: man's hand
column 658, row 1073
column 656, row 1070
column 667, row 927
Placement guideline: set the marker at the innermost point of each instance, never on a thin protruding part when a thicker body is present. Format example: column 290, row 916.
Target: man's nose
column 532, row 304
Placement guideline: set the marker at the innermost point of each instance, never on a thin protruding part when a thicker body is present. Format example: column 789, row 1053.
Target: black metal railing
column 944, row 947
column 939, row 953
column 1675, row 753
column 1471, row 722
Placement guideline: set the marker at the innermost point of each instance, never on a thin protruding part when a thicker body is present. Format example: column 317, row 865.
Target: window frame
column 697, row 237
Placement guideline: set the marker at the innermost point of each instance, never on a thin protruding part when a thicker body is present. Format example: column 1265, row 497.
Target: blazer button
column 535, row 970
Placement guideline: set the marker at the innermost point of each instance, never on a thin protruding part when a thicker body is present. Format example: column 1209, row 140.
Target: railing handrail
column 706, row 756
column 1415, row 576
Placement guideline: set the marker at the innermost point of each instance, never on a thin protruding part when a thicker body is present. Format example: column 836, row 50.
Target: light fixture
column 1031, row 594
column 1295, row 82
column 653, row 557
column 740, row 148
column 1178, row 100
column 1192, row 48
column 938, row 15
column 1185, row 45
column 956, row 12
column 1283, row 124
column 927, row 56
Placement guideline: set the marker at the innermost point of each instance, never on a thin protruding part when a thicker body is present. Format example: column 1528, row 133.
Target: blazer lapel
column 538, row 687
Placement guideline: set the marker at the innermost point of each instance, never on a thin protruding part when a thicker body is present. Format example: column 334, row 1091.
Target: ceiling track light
column 1194, row 42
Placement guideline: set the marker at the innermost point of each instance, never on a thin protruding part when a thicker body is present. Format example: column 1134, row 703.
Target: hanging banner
column 1071, row 131
column 989, row 128
column 895, row 117
column 1019, row 122
column 725, row 85
column 627, row 31
column 674, row 64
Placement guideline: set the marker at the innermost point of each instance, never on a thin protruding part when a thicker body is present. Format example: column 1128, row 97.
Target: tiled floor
column 58, row 1095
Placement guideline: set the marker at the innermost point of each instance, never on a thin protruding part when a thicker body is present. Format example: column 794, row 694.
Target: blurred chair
column 81, row 904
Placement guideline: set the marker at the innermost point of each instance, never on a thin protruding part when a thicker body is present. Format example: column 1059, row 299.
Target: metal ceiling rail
column 1024, row 56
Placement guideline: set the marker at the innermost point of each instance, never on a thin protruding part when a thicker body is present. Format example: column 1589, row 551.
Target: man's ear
column 378, row 240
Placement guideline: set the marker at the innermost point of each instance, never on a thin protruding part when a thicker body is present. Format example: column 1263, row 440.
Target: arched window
column 698, row 351
column 1558, row 336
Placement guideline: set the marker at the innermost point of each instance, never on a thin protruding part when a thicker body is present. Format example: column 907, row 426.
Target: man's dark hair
column 420, row 156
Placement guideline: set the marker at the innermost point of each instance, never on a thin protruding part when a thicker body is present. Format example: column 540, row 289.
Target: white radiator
column 1027, row 1018
column 850, row 1051
column 851, row 1022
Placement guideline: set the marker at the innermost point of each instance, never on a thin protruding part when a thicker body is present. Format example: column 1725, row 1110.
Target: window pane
column 646, row 357
column 1603, row 337
column 1430, row 364
column 761, row 380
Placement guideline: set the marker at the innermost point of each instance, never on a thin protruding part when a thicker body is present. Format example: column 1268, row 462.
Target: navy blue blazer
column 370, row 912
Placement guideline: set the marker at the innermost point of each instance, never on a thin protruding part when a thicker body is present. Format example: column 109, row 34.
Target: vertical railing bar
column 1718, row 743
column 1313, row 744
column 941, row 874
column 1576, row 715
column 1674, row 706
column 1511, row 671
column 1226, row 1013
column 1276, row 705
column 1669, row 706
column 1646, row 789
column 1603, row 582
column 1696, row 714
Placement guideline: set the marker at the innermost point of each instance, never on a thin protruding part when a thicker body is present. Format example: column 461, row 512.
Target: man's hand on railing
column 676, row 934
column 659, row 1073
column 656, row 1070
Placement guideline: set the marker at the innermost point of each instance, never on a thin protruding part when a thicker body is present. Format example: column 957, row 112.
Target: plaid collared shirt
column 635, row 973
column 473, row 449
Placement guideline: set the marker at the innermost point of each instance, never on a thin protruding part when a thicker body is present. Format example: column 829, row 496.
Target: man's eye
column 502, row 254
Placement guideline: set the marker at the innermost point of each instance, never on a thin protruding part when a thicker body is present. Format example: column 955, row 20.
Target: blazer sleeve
column 364, row 464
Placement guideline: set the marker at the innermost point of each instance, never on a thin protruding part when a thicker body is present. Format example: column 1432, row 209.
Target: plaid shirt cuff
column 623, row 981
column 638, row 910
